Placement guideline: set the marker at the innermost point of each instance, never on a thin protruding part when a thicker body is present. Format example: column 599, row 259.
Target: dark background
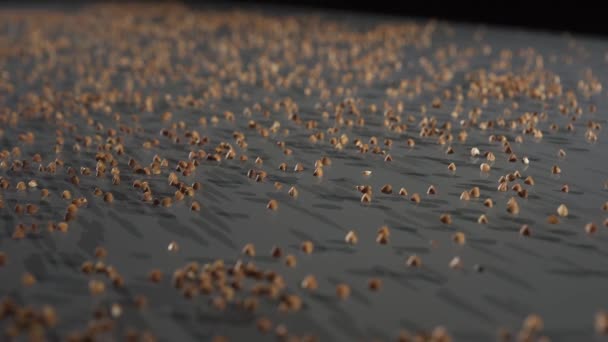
column 583, row 17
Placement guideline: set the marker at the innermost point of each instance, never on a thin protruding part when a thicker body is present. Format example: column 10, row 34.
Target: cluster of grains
column 26, row 321
column 531, row 330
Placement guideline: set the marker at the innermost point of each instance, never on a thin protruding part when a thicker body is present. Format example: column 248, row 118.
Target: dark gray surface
column 560, row 272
